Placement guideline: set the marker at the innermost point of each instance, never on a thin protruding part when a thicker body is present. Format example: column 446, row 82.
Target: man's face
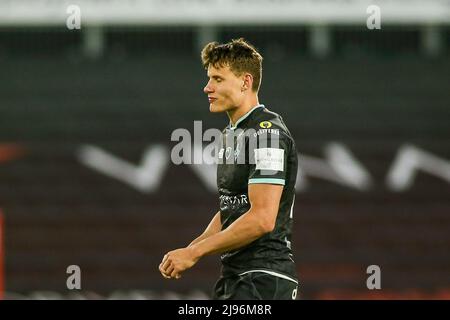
column 224, row 89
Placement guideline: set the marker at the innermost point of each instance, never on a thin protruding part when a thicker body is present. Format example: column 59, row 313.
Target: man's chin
column 215, row 109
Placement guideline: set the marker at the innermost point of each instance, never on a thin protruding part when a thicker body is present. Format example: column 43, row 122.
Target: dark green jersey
column 258, row 149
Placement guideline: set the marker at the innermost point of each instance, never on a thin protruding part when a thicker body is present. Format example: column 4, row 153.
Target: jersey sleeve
column 268, row 159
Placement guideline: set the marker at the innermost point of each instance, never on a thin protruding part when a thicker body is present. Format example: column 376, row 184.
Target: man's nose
column 207, row 89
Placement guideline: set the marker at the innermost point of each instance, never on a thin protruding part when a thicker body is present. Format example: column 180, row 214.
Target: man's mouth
column 211, row 100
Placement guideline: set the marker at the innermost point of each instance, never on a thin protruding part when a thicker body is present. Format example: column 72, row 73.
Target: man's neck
column 237, row 113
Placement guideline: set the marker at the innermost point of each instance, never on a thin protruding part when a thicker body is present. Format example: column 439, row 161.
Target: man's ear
column 248, row 81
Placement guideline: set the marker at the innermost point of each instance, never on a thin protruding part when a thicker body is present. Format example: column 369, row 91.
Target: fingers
column 174, row 274
column 161, row 267
column 171, row 272
column 167, row 269
column 166, row 263
column 164, row 274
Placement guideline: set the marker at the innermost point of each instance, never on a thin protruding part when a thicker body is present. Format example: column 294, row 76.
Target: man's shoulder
column 266, row 114
column 267, row 119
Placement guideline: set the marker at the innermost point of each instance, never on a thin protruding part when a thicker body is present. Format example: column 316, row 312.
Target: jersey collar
column 245, row 116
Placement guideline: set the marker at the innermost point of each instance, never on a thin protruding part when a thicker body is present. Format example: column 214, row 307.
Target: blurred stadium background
column 82, row 110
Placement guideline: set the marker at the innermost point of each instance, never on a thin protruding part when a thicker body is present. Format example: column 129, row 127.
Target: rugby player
column 255, row 178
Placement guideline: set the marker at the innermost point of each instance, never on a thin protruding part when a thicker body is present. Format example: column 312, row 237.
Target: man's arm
column 214, row 226
column 259, row 220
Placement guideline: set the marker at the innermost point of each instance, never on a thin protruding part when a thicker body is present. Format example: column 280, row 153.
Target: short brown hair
column 238, row 54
